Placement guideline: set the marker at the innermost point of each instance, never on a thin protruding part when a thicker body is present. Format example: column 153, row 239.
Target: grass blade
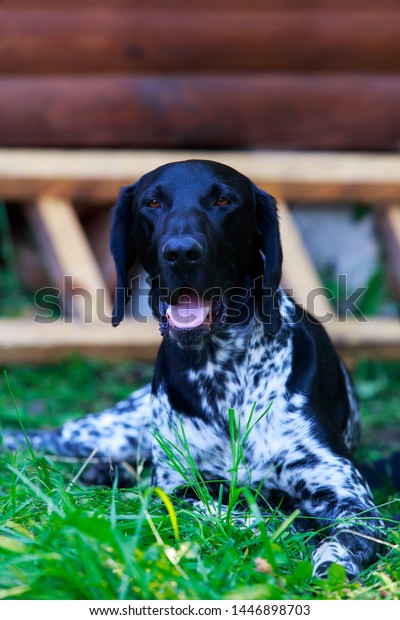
column 171, row 511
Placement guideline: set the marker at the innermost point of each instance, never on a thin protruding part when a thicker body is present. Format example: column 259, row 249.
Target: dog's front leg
column 333, row 491
column 120, row 433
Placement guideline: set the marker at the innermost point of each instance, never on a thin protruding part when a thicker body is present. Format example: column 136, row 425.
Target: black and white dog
column 232, row 339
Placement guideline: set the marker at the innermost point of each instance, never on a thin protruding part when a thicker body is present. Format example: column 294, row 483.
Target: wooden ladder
column 51, row 182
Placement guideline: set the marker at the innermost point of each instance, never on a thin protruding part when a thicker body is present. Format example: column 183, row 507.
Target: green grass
column 60, row 540
column 63, row 541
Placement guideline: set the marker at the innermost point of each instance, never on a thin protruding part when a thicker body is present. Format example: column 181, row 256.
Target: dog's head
column 209, row 239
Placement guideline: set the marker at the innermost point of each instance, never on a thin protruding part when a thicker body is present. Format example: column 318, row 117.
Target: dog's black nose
column 182, row 250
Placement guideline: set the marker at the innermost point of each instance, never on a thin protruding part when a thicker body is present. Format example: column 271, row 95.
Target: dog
column 233, row 341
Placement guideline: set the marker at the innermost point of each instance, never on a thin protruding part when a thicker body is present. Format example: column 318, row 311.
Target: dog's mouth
column 186, row 310
column 189, row 313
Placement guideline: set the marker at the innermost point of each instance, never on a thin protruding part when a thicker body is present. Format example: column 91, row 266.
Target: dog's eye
column 222, row 201
column 154, row 204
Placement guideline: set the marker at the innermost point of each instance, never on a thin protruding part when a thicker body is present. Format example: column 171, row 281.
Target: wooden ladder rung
column 24, row 341
column 300, row 277
column 68, row 257
column 389, row 219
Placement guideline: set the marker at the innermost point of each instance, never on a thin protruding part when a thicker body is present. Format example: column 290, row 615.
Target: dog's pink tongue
column 189, row 312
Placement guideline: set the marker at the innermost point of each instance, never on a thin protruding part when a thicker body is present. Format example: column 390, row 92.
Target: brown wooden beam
column 210, row 5
column 24, row 341
column 378, row 338
column 339, row 112
column 93, row 175
column 171, row 41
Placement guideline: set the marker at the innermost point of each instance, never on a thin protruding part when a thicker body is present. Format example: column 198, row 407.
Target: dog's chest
column 241, row 391
column 246, row 373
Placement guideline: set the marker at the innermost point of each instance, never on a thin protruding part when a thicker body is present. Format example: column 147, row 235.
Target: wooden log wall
column 302, row 74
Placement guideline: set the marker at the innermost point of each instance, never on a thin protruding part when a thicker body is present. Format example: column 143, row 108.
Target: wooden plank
column 94, row 175
column 203, row 111
column 210, row 5
column 300, row 277
column 378, row 338
column 67, row 256
column 389, row 220
column 102, row 41
column 23, row 341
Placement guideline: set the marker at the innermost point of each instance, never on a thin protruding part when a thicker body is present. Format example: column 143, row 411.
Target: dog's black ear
column 122, row 244
column 269, row 242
